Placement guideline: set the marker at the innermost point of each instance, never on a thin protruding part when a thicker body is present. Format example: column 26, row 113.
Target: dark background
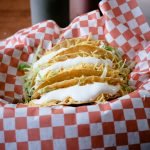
column 16, row 14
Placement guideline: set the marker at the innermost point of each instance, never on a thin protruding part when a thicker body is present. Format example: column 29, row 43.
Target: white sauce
column 86, row 93
column 46, row 58
column 70, row 63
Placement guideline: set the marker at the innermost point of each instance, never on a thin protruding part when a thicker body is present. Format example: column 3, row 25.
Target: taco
column 76, row 71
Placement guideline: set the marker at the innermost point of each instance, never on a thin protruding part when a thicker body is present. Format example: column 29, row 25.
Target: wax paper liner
column 123, row 123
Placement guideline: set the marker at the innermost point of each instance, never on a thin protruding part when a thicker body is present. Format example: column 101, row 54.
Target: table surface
column 14, row 15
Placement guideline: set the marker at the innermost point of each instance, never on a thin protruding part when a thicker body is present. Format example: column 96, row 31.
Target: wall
column 14, row 15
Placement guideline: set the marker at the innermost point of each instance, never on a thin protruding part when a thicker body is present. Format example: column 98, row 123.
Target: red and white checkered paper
column 121, row 124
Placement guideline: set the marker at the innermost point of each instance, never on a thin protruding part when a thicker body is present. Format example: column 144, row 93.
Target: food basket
column 123, row 123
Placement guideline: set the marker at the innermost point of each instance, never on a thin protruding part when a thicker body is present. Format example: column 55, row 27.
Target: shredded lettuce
column 104, row 74
column 37, row 52
column 109, row 48
column 23, row 66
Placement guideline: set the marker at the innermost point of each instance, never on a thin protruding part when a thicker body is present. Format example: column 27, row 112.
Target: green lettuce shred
column 23, row 66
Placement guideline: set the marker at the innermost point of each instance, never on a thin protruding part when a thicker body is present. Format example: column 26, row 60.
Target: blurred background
column 19, row 14
column 14, row 15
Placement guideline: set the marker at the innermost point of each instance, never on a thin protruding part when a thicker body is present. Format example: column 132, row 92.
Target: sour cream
column 44, row 59
column 86, row 93
column 70, row 63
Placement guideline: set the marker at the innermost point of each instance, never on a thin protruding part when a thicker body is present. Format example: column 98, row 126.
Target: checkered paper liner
column 121, row 124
